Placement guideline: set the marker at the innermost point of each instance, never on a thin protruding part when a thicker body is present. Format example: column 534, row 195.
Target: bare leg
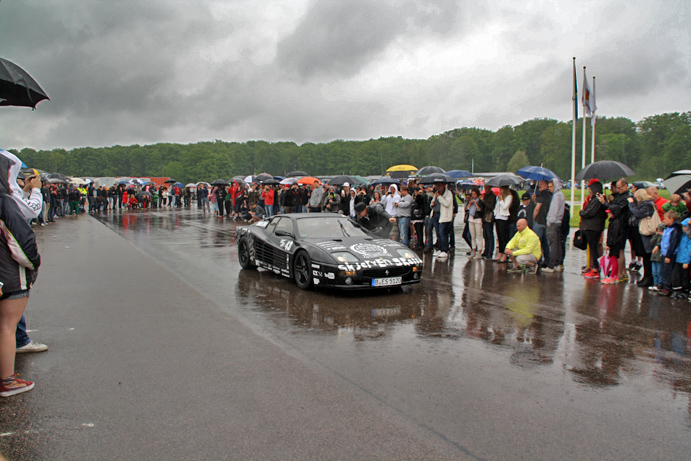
column 11, row 311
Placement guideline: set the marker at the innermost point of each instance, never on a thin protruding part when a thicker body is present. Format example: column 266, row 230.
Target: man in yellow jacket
column 524, row 248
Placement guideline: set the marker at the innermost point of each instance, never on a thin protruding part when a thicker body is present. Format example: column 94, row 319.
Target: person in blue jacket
column 680, row 275
column 668, row 248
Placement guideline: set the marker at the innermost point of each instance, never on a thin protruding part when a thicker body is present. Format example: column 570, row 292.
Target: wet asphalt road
column 471, row 363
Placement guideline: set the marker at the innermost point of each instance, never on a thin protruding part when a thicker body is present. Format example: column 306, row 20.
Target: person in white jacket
column 444, row 197
column 30, row 203
column 501, row 221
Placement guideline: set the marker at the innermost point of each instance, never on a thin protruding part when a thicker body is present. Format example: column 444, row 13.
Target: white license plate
column 387, row 282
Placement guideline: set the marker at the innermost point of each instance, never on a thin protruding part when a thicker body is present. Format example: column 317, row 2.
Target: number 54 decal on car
column 286, row 244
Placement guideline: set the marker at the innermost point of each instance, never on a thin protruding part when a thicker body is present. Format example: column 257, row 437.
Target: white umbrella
column 78, row 181
column 290, row 181
column 248, row 179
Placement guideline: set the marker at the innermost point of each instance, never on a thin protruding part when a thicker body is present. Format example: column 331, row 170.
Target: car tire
column 244, row 254
column 302, row 270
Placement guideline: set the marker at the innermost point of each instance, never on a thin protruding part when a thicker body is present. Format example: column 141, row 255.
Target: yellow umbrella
column 400, row 171
column 403, row 168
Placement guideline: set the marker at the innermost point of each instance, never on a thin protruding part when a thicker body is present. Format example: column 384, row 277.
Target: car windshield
column 319, row 227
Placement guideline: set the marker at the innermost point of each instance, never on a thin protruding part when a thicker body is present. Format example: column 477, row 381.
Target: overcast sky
column 147, row 71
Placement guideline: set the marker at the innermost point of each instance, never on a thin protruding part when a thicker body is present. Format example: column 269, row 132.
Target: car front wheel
column 244, row 255
column 302, row 268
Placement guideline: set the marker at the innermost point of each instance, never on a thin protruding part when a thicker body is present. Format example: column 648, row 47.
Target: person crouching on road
column 19, row 262
column 374, row 219
column 524, row 248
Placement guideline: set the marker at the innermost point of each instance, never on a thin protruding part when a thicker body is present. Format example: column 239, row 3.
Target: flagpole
column 592, row 121
column 574, row 97
column 584, row 142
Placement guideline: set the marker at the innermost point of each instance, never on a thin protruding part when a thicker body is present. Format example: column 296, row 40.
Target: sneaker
column 632, row 265
column 33, row 346
column 442, row 255
column 592, row 274
column 16, row 386
column 477, row 256
column 639, row 266
column 611, row 280
column 516, row 270
column 548, row 270
column 653, row 288
column 534, row 270
column 665, row 292
column 436, row 253
column 624, row 278
column 584, row 270
column 559, row 268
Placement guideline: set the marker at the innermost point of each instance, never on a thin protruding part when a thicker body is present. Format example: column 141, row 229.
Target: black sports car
column 326, row 249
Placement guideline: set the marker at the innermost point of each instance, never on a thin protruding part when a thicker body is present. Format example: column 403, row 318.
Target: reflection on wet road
column 493, row 364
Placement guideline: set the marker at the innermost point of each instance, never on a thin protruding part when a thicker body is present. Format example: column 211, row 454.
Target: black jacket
column 593, row 216
column 19, row 258
column 377, row 221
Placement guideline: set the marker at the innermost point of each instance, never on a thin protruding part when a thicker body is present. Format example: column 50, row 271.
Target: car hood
column 364, row 249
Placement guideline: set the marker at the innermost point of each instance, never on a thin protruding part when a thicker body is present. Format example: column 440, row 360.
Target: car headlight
column 407, row 254
column 345, row 257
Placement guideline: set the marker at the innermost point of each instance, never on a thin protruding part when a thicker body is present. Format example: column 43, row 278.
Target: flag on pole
column 593, row 106
column 586, row 96
column 575, row 93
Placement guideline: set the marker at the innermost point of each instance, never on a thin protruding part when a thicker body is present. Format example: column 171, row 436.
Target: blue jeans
column 404, row 229
column 444, row 231
column 541, row 231
column 205, row 204
column 429, row 228
column 269, row 210
column 657, row 272
column 21, row 337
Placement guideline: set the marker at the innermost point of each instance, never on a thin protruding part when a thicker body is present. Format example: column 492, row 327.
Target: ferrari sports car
column 326, row 249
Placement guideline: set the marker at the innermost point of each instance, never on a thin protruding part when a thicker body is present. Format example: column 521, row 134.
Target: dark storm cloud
column 339, row 38
column 106, row 61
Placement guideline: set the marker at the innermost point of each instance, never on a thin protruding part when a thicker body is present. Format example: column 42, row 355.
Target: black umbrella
column 504, row 180
column 57, row 181
column 169, row 181
column 429, row 170
column 262, row 177
column 436, row 177
column 604, row 169
column 678, row 182
column 271, row 182
column 297, row 174
column 220, row 182
column 17, row 88
column 385, row 180
column 141, row 195
column 340, row 180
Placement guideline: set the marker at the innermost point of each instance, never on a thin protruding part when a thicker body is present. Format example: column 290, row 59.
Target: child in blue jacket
column 669, row 245
column 680, row 276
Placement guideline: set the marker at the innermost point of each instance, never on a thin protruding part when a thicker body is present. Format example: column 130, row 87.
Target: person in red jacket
column 269, row 196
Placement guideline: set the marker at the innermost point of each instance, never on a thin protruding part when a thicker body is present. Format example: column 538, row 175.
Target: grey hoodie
column 317, row 196
column 556, row 207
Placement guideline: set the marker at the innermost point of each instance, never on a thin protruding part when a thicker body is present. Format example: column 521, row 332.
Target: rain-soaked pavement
column 471, row 363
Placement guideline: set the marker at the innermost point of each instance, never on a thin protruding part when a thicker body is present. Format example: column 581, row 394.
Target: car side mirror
column 282, row 233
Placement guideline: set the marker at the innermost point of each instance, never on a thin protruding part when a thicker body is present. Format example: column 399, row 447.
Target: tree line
column 653, row 147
